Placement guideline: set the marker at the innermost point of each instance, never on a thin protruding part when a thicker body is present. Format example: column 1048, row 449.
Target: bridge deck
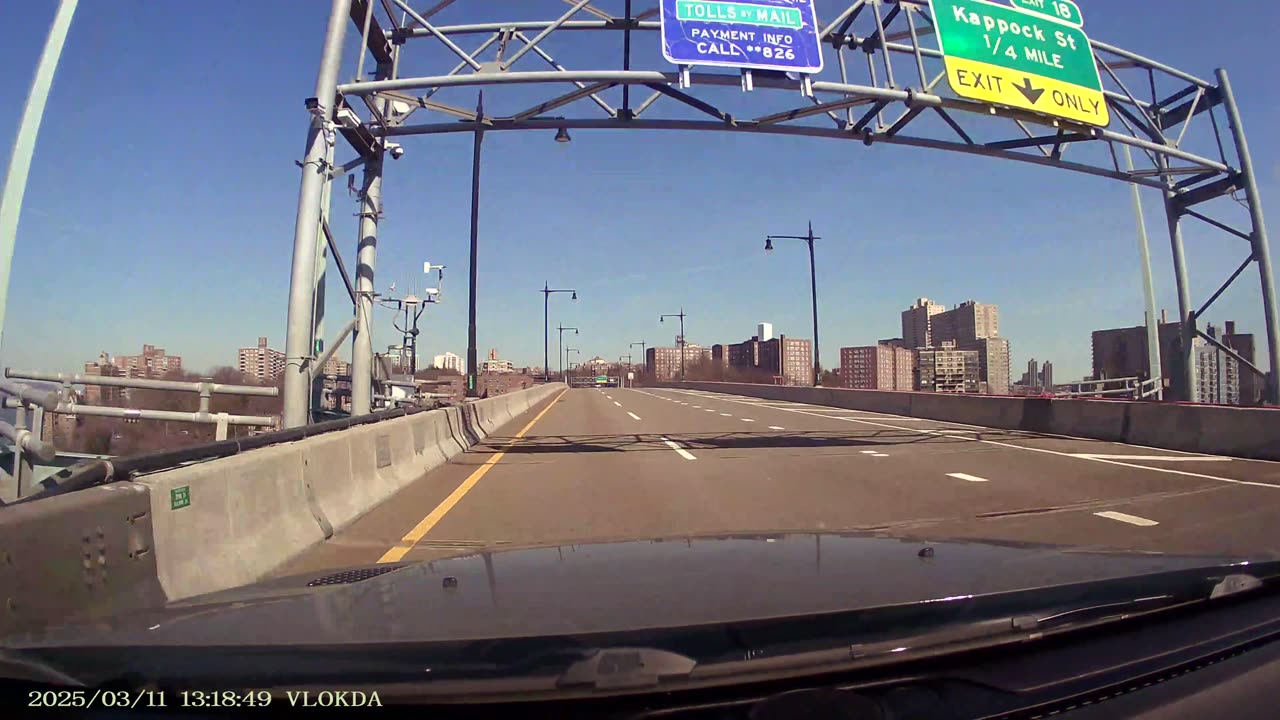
column 616, row 463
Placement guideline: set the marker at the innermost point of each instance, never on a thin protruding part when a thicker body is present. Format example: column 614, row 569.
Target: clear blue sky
column 161, row 203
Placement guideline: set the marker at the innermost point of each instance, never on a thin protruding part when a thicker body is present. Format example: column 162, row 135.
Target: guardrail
column 29, row 442
column 1132, row 388
column 205, row 389
column 24, row 397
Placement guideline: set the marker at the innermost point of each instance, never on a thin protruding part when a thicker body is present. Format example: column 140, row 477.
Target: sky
column 162, row 198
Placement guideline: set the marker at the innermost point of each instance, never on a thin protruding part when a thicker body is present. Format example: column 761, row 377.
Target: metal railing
column 1132, row 388
column 25, row 398
column 205, row 389
column 27, row 444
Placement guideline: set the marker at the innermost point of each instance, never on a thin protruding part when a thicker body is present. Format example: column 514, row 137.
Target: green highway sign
column 1017, row 58
column 1061, row 10
column 179, row 497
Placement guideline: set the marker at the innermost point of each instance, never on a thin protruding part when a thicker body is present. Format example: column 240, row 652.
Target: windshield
column 883, row 302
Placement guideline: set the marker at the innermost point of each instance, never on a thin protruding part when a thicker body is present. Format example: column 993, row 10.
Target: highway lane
column 1052, row 486
column 618, row 463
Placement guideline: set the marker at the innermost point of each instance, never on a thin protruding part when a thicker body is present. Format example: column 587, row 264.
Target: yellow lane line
column 396, row 553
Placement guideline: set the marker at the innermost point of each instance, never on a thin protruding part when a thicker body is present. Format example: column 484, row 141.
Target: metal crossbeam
column 440, row 36
column 1208, row 191
column 376, row 41
column 565, row 99
column 552, row 62
column 693, row 102
column 1039, row 141
column 1204, row 308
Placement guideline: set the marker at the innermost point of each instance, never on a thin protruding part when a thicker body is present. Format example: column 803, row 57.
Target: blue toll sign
column 749, row 34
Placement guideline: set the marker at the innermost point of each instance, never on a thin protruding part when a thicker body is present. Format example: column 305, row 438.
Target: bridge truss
column 451, row 68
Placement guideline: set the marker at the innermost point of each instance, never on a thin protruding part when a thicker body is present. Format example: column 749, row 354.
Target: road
column 603, row 464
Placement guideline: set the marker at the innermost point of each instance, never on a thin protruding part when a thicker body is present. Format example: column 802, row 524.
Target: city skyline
column 232, row 216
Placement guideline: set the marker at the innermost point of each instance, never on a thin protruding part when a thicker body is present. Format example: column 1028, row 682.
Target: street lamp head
column 768, row 245
column 662, row 319
column 575, row 331
column 562, row 135
column 574, row 297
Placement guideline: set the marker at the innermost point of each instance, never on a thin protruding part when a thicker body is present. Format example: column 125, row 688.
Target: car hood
column 604, row 587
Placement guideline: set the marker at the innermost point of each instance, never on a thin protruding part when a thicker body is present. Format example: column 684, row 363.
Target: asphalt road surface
column 606, row 464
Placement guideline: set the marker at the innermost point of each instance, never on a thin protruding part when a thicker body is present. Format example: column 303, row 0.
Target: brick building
column 103, row 395
column 665, row 361
column 876, row 367
column 788, row 358
column 153, row 362
column 260, row 363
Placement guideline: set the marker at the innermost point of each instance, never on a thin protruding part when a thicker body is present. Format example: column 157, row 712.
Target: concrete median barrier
column 1216, row 430
column 80, row 556
column 1097, row 419
column 230, row 521
column 1238, row 431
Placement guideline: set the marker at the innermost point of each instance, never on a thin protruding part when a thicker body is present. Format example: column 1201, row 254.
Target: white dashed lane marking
column 634, row 416
column 1125, row 518
column 683, row 453
column 966, row 476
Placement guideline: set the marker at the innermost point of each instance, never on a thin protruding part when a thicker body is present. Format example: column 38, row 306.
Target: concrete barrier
column 243, row 516
column 1216, row 430
column 329, row 469
column 1097, row 419
column 80, row 556
column 252, row 512
column 1239, row 431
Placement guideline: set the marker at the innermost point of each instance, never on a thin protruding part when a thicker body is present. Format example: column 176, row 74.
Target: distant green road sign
column 1021, row 59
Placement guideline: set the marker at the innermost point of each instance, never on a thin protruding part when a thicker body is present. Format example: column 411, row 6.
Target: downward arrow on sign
column 1030, row 93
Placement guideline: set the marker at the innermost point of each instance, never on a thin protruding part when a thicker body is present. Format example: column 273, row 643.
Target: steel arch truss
column 594, row 64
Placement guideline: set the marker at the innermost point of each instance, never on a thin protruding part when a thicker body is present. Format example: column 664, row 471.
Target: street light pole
column 813, row 284
column 547, row 292
column 560, row 352
column 566, row 355
column 682, row 343
column 643, row 357
column 472, row 360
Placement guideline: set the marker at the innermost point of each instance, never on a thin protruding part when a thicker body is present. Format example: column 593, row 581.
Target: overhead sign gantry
column 889, row 63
